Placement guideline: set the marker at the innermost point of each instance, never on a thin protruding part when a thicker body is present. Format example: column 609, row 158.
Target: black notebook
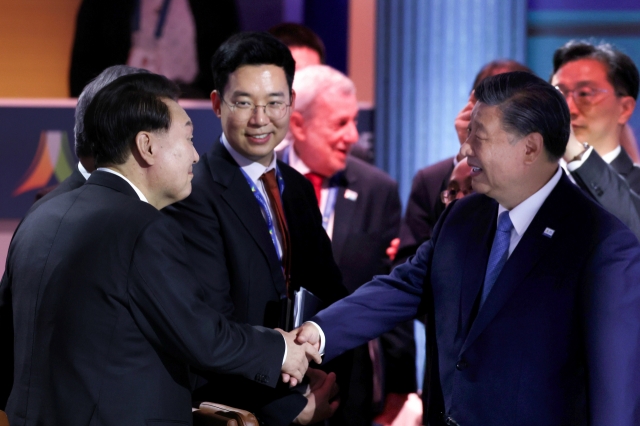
column 305, row 305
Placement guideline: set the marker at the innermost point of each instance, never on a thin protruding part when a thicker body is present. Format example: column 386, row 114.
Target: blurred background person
column 305, row 45
column 359, row 204
column 600, row 84
column 175, row 38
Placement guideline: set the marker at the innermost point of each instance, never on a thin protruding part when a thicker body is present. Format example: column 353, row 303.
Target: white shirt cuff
column 284, row 358
column 321, row 333
column 572, row 166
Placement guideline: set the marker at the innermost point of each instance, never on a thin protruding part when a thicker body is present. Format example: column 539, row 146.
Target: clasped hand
column 299, row 354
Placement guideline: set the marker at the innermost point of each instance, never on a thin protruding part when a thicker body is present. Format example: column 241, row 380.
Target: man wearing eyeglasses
column 600, row 85
column 252, row 226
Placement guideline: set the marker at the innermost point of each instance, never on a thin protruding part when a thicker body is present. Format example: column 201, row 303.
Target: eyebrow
column 240, row 93
column 188, row 123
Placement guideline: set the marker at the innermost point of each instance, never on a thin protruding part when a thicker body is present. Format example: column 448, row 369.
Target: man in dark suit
column 530, row 288
column 252, row 226
column 600, row 84
column 425, row 206
column 106, row 315
column 359, row 203
column 86, row 165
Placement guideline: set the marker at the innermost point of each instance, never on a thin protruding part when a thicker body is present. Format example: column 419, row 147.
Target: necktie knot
column 269, row 180
column 504, row 222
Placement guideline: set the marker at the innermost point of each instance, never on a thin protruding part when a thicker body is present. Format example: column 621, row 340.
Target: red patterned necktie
column 316, row 181
column 273, row 192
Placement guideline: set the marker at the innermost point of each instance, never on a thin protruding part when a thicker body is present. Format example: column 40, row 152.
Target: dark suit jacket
column 236, row 264
column 108, row 318
column 103, row 39
column 615, row 186
column 556, row 341
column 75, row 180
column 424, row 207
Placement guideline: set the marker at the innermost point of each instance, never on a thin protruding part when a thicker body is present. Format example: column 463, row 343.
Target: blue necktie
column 499, row 253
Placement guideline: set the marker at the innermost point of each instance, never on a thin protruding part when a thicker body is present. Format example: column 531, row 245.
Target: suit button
column 461, row 365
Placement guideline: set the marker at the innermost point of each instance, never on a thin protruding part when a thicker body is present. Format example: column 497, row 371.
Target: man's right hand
column 321, row 402
column 463, row 119
column 308, row 333
column 298, row 357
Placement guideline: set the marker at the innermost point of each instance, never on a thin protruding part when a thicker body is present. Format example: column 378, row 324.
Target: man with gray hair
column 359, row 203
column 86, row 165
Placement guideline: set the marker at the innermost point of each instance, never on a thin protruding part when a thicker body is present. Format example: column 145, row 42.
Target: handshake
column 303, row 344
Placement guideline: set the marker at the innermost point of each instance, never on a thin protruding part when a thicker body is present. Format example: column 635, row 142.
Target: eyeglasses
column 582, row 96
column 448, row 195
column 243, row 110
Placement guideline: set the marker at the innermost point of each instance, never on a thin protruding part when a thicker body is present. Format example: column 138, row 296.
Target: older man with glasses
column 600, row 85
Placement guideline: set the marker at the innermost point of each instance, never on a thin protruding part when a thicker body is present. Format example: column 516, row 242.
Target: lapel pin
column 350, row 195
column 548, row 232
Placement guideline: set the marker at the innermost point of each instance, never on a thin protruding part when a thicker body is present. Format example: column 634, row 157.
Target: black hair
column 250, row 48
column 296, row 35
column 622, row 73
column 124, row 107
column 529, row 104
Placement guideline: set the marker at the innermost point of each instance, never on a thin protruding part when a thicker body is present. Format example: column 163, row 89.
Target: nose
column 196, row 157
column 574, row 111
column 465, row 148
column 259, row 116
column 352, row 135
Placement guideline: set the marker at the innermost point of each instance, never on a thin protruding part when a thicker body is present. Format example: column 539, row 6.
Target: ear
column 627, row 105
column 293, row 100
column 296, row 126
column 533, row 146
column 216, row 100
column 145, row 148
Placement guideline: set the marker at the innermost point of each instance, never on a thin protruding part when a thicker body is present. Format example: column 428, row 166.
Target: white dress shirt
column 135, row 188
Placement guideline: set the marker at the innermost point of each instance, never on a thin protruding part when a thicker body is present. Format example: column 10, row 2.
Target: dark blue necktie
column 499, row 253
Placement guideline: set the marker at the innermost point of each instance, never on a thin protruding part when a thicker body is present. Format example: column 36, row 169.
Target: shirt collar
column 135, row 188
column 84, row 171
column 296, row 162
column 253, row 169
column 522, row 214
column 610, row 156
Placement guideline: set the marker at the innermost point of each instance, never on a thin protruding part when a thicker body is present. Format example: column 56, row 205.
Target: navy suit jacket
column 236, row 264
column 556, row 341
column 108, row 318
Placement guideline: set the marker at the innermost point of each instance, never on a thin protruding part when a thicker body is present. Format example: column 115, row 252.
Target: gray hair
column 83, row 149
column 314, row 80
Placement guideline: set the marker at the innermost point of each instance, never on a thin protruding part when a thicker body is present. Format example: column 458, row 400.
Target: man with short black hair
column 530, row 288
column 306, row 46
column 86, row 165
column 106, row 315
column 252, row 226
column 600, row 85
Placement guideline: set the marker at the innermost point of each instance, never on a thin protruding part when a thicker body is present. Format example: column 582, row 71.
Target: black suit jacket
column 236, row 264
column 424, row 207
column 615, row 186
column 75, row 180
column 108, row 318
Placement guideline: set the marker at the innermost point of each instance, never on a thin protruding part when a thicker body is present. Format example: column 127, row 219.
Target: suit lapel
column 238, row 195
column 531, row 248
column 344, row 213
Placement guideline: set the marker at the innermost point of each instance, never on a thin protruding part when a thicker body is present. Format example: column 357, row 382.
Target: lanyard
column 162, row 17
column 264, row 206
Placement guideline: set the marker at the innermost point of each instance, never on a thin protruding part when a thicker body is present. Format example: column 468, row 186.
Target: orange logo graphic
column 52, row 158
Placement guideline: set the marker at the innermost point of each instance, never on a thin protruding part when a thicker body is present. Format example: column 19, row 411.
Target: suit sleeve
column 612, row 316
column 164, row 302
column 376, row 307
column 610, row 189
